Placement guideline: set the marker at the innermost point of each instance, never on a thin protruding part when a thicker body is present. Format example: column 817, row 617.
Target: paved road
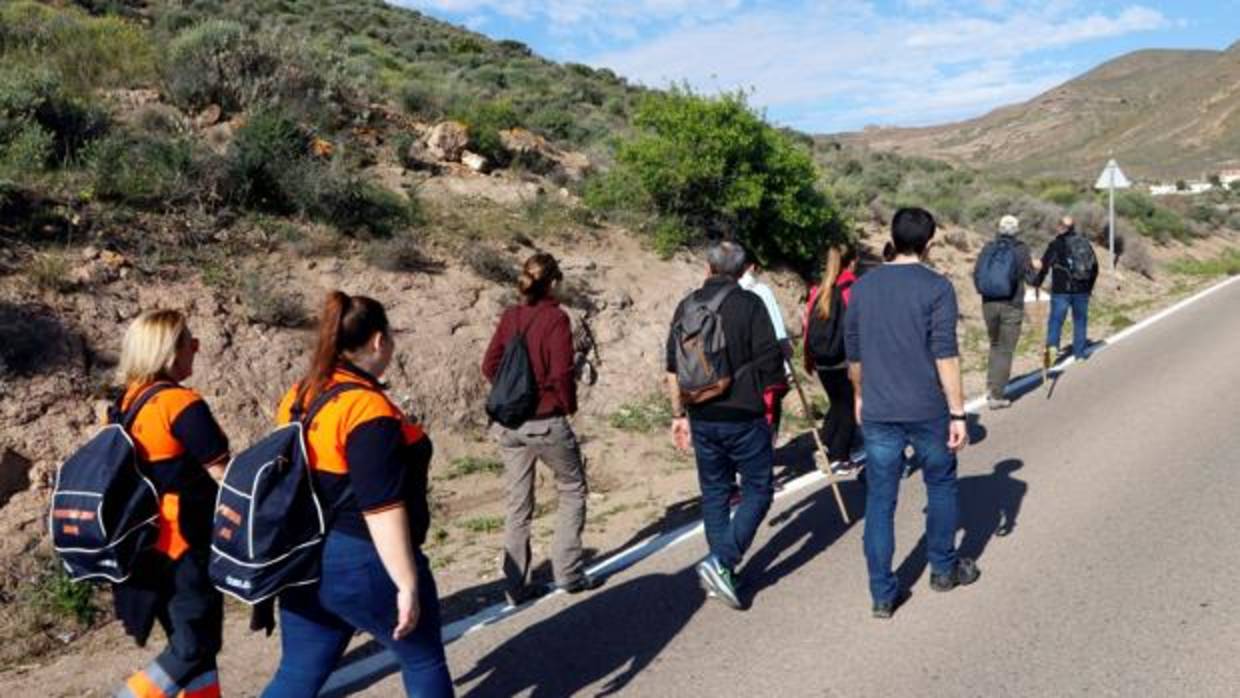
column 1118, row 579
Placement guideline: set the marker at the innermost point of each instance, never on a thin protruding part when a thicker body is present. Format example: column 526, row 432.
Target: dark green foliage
column 143, row 171
column 714, row 165
column 491, row 265
column 1151, row 220
column 267, row 159
column 35, row 97
column 486, row 118
column 402, row 253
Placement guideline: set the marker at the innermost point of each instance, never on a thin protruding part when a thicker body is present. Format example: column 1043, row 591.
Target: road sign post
column 1112, row 178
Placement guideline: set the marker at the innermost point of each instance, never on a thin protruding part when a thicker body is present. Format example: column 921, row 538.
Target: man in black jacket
column 1075, row 271
column 729, row 432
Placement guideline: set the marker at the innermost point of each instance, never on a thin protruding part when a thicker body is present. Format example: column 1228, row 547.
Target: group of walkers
column 883, row 343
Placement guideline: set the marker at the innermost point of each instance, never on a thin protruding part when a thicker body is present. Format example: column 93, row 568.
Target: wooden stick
column 831, row 477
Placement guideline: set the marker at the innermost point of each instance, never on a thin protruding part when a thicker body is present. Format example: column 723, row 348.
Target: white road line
column 380, row 664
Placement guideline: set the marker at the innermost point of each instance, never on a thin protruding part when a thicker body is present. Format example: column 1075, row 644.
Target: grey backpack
column 702, row 368
column 1080, row 261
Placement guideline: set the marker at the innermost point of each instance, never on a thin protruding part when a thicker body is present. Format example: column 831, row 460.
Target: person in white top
column 774, row 395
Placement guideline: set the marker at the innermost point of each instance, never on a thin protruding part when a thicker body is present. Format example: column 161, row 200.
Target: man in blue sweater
column 900, row 338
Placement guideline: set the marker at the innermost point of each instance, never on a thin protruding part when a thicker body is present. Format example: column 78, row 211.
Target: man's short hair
column 911, row 230
column 726, row 258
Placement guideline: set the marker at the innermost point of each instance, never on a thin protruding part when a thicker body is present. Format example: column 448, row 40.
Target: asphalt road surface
column 1118, row 578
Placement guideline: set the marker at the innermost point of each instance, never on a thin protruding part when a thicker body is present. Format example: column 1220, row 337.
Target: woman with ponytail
column 824, row 323
column 370, row 465
column 545, row 435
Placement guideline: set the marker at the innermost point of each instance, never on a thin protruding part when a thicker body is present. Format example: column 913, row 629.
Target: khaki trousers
column 552, row 441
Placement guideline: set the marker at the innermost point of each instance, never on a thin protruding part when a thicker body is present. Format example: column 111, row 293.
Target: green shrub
column 714, row 164
column 472, row 465
column 347, row 201
column 491, row 265
column 402, row 253
column 63, row 597
column 217, row 62
column 50, row 272
column 483, row 524
column 1060, row 194
column 142, row 171
column 266, row 153
column 38, row 96
column 486, row 118
column 644, row 416
column 1150, row 219
column 1226, row 264
column 27, row 149
column 86, row 52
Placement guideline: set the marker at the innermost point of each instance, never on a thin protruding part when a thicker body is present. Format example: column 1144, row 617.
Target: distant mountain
column 1162, row 113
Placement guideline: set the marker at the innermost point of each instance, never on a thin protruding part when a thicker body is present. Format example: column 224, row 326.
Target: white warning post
column 1112, row 178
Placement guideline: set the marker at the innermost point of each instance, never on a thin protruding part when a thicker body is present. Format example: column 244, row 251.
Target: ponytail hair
column 348, row 322
column 538, row 274
column 838, row 259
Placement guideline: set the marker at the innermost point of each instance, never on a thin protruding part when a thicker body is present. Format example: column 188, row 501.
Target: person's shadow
column 619, row 628
column 989, row 507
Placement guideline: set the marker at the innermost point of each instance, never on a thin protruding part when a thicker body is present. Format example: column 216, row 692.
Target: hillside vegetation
column 1164, row 114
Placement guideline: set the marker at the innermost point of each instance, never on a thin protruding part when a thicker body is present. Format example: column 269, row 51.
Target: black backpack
column 702, row 368
column 826, row 337
column 104, row 511
column 513, row 399
column 997, row 273
column 1079, row 261
column 269, row 524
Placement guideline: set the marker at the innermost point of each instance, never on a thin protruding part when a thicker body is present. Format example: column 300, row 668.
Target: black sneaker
column 963, row 574
column 584, row 583
column 518, row 595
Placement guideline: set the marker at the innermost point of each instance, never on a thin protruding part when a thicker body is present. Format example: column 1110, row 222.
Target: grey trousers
column 552, row 441
column 1003, row 323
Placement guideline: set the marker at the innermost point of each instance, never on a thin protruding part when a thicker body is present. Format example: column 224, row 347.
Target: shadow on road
column 989, row 507
column 810, row 527
column 616, row 629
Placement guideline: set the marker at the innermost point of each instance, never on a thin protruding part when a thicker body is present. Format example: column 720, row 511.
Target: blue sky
column 835, row 66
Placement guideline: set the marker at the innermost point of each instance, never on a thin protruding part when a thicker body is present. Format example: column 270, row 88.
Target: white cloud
column 901, row 70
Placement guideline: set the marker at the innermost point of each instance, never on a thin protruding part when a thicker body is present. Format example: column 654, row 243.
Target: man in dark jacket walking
column 1075, row 271
column 729, row 432
column 1004, row 315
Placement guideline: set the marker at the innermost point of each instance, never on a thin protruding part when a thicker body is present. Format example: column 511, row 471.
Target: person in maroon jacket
column 547, row 436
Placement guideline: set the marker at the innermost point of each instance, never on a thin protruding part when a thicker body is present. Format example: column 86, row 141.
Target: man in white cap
column 1003, row 268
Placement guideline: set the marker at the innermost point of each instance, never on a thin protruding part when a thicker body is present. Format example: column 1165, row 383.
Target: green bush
column 1150, row 219
column 644, row 416
column 266, row 303
column 217, row 62
column 142, row 171
column 714, row 164
column 27, row 149
column 352, row 204
column 38, row 96
column 267, row 153
column 86, row 52
column 1060, row 194
column 472, row 465
column 1226, row 264
column 486, row 118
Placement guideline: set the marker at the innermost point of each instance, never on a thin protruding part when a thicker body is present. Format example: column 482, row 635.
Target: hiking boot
column 884, row 610
column 584, row 583
column 963, row 574
column 998, row 403
column 719, row 581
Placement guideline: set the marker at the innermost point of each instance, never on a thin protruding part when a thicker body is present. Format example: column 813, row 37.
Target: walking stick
column 831, row 477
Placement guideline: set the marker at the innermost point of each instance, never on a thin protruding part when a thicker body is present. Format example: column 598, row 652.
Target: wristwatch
column 960, row 417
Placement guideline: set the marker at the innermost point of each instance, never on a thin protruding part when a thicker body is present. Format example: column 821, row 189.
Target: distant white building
column 1199, row 187
column 1229, row 178
column 1162, row 189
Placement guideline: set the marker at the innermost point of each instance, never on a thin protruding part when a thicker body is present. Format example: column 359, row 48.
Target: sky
column 827, row 67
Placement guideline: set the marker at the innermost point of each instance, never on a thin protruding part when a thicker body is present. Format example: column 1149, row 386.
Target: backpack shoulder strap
column 716, row 301
column 128, row 417
column 323, row 398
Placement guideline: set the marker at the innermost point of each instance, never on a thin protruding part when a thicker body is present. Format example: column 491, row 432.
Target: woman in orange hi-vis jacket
column 371, row 466
column 182, row 450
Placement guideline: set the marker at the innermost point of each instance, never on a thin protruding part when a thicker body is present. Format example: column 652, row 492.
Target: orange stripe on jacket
column 329, row 433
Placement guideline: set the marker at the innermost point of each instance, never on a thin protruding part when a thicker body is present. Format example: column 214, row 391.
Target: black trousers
column 840, row 426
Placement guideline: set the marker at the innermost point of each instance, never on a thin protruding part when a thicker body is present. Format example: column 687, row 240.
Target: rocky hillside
column 1163, row 114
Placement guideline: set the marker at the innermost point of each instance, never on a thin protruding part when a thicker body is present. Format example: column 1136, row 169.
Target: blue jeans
column 356, row 593
column 724, row 449
column 1079, row 303
column 884, row 452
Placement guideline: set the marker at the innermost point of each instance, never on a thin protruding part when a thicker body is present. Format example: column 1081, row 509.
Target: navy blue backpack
column 104, row 511
column 269, row 524
column 997, row 274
